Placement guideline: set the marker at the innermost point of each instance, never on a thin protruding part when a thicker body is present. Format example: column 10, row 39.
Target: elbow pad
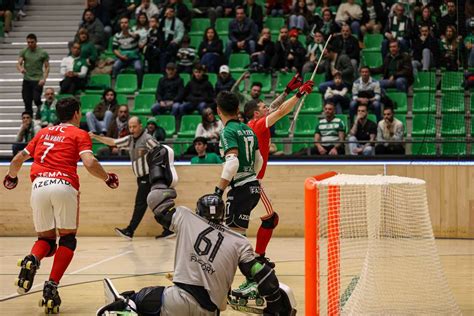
column 231, row 166
column 258, row 161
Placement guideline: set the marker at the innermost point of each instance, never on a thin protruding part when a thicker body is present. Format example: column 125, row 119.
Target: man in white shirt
column 74, row 70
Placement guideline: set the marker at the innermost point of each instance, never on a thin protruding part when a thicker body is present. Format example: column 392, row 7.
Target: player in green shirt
column 203, row 157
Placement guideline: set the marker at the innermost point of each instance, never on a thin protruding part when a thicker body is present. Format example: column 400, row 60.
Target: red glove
column 294, row 83
column 10, row 182
column 112, row 180
column 306, row 88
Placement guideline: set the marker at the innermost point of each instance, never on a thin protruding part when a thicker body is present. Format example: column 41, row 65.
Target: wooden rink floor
column 145, row 262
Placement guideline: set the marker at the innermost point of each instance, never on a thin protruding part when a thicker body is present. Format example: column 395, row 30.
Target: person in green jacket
column 88, row 50
column 203, row 157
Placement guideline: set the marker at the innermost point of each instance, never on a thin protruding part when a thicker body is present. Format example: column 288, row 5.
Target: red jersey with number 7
column 260, row 129
column 56, row 151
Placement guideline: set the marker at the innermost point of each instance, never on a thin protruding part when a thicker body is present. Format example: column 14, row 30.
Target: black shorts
column 241, row 201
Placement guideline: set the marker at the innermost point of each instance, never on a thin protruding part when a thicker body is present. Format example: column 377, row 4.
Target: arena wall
column 450, row 194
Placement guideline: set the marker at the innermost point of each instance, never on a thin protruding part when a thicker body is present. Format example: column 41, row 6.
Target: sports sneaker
column 21, row 13
column 124, row 232
column 166, row 234
column 264, row 260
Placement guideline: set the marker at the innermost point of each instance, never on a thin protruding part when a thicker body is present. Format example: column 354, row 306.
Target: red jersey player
column 55, row 195
column 261, row 119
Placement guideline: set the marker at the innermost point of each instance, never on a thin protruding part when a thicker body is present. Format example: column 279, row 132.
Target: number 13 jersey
column 56, row 151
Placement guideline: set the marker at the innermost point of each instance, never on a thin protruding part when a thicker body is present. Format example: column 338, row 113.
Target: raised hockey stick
column 300, row 105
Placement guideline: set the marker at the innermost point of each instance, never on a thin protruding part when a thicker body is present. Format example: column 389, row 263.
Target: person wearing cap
column 296, row 53
column 169, row 92
column 224, row 80
column 155, row 130
column 203, row 157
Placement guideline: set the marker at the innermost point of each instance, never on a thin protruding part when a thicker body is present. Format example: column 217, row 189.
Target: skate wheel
column 55, row 309
column 18, row 263
column 40, row 303
column 242, row 301
column 20, row 290
column 26, row 284
column 50, row 304
column 28, row 265
column 259, row 301
column 17, row 282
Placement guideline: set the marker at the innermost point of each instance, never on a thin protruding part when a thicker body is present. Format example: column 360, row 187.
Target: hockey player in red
column 55, row 195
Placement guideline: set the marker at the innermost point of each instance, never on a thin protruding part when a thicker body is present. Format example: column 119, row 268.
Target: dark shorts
column 241, row 201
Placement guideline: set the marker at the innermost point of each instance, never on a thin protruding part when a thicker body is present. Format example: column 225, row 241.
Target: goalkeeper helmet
column 211, row 207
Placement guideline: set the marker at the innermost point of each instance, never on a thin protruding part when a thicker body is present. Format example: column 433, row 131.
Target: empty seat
column 195, row 41
column 168, row 122
column 306, row 125
column 274, row 24
column 222, row 26
column 150, row 83
column 424, row 125
column 126, row 83
column 98, row 83
column 282, row 80
column 372, row 59
column 452, row 102
column 424, row 102
column 425, row 81
column 122, row 99
column 298, row 143
column 453, row 125
column 199, row 25
column 186, row 78
column 189, row 124
column 455, row 148
column 452, row 81
column 212, row 77
column 313, row 103
column 423, row 148
column 239, row 62
column 399, row 99
column 264, row 79
column 143, row 103
column 282, row 126
column 318, row 79
column 373, row 42
column 89, row 101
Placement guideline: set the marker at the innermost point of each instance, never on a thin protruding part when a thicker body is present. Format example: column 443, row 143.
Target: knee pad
column 271, row 222
column 68, row 241
column 52, row 246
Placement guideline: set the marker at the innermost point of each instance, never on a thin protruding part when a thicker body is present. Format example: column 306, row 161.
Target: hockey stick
column 298, row 109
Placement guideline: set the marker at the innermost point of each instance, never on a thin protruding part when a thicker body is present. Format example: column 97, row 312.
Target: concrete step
column 59, row 17
column 9, row 116
column 71, row 21
column 17, row 88
column 43, row 28
column 42, row 34
column 8, row 137
column 10, row 123
column 12, row 76
column 9, row 130
column 55, row 2
column 11, row 105
column 5, row 152
column 72, row 7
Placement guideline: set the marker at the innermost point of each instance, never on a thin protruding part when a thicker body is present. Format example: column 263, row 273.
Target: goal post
column 369, row 248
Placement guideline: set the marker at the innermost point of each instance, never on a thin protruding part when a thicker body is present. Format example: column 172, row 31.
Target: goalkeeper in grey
column 206, row 257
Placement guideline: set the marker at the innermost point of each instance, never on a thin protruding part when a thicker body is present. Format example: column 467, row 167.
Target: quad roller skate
column 265, row 260
column 247, row 291
column 29, row 265
column 51, row 299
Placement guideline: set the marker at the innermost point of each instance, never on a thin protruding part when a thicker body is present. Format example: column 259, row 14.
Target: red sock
column 40, row 249
column 62, row 259
column 263, row 238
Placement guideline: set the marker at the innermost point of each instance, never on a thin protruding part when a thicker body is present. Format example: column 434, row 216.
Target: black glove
column 10, row 182
column 218, row 192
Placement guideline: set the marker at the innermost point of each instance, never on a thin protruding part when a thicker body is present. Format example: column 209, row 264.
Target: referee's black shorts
column 241, row 201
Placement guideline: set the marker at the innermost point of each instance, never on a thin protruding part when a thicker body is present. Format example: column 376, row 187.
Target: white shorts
column 176, row 301
column 55, row 204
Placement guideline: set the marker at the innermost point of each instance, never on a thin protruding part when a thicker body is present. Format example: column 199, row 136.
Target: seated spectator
column 28, row 130
column 153, row 46
column 147, row 7
column 94, row 28
column 389, row 130
column 329, row 131
column 362, row 133
column 300, row 17
column 243, row 33
column 366, row 91
column 469, row 44
column 278, row 7
column 186, row 56
column 205, row 9
column 88, row 50
column 74, row 71
column 396, row 69
column 398, row 28
column 7, row 7
column 425, row 51
column 254, row 12
column 125, row 8
column 244, row 97
column 125, row 46
column 181, row 10
column 203, row 157
column 210, row 50
column 225, row 82
column 350, row 13
column 118, row 128
column 169, row 92
column 282, row 48
column 335, row 62
column 450, row 49
column 427, row 20
column 99, row 120
column 102, row 14
column 348, row 45
column 313, row 52
column 155, row 130
column 198, row 93
column 451, row 19
column 264, row 52
column 141, row 28
column 209, row 127
column 373, row 17
column 326, row 25
column 48, row 110
column 172, row 31
column 294, row 58
column 336, row 93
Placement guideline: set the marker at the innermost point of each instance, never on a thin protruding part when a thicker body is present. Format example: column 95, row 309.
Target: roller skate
column 29, row 265
column 51, row 299
column 246, row 291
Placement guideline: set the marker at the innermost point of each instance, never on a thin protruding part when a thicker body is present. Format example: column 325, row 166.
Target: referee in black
column 139, row 143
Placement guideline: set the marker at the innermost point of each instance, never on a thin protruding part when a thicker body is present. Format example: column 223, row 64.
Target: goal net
column 370, row 248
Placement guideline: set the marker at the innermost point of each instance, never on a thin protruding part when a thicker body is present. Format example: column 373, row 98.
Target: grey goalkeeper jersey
column 207, row 254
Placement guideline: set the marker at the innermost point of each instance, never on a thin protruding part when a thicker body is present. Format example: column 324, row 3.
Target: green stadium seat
column 189, row 124
column 318, row 79
column 298, row 143
column 239, row 62
column 98, row 83
column 427, row 148
column 222, row 26
column 425, row 81
column 306, row 125
column 89, row 101
column 168, row 122
column 302, row 39
column 453, row 125
column 122, row 99
column 371, row 59
column 195, row 41
column 143, row 104
column 373, row 42
column 179, row 149
column 150, row 83
column 274, row 24
column 282, row 126
column 344, row 120
column 403, row 119
column 282, row 80
column 372, row 117
column 454, row 149
column 278, row 143
column 424, row 102
column 63, row 96
column 236, row 75
column 313, row 103
column 264, row 79
column 199, row 25
column 96, row 146
column 399, row 100
column 472, row 105
column 186, row 78
column 424, row 125
column 212, row 77
column 452, row 81
column 452, row 102
column 126, row 84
